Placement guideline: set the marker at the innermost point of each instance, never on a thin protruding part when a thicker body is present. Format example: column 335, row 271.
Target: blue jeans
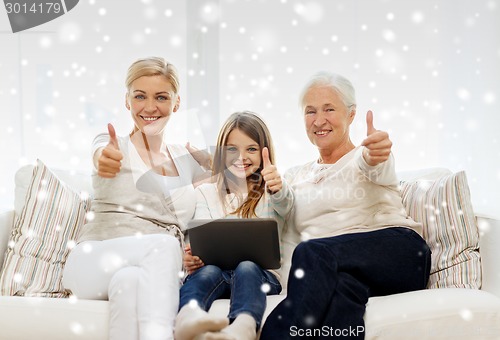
column 243, row 285
column 332, row 278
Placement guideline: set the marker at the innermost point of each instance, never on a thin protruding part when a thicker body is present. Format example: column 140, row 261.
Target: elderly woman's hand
column 191, row 263
column 270, row 173
column 377, row 145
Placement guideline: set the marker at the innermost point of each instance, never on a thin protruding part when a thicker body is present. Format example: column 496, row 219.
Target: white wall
column 430, row 71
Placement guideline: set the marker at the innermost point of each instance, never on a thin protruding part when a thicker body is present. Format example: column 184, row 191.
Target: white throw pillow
column 77, row 180
column 450, row 229
column 43, row 233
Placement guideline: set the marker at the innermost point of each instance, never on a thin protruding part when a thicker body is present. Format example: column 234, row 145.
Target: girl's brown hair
column 254, row 127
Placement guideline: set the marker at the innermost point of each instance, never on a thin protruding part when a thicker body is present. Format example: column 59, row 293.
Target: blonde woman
column 131, row 251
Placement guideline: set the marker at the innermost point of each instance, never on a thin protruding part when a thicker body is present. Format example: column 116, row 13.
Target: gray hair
column 337, row 82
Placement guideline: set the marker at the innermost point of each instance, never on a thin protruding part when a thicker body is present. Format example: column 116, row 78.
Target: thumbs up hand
column 270, row 173
column 377, row 145
column 109, row 162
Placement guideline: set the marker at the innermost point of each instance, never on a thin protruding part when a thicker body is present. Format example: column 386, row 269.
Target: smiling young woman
column 131, row 252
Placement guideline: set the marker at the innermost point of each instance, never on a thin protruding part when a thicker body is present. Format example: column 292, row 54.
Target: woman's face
column 326, row 118
column 151, row 100
column 243, row 154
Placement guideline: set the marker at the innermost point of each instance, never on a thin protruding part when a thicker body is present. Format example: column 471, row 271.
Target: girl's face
column 243, row 154
column 151, row 100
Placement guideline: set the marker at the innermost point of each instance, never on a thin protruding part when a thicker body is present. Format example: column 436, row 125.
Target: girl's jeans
column 246, row 286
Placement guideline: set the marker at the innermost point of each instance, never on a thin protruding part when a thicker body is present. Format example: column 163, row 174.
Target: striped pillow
column 444, row 208
column 42, row 236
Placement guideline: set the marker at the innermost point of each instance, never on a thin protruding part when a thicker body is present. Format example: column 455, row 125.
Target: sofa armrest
column 489, row 239
column 6, row 222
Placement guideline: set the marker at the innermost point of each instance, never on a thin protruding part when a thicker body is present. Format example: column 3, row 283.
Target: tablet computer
column 227, row 242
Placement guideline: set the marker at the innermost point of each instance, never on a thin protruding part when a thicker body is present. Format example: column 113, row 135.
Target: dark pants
column 332, row 278
column 246, row 286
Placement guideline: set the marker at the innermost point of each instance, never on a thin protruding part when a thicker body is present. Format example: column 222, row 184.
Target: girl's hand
column 191, row 263
column 270, row 174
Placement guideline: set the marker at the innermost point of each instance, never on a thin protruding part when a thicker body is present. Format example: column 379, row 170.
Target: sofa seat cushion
column 56, row 319
column 220, row 307
column 446, row 313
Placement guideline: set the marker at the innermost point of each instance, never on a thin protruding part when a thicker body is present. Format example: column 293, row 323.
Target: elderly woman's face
column 326, row 117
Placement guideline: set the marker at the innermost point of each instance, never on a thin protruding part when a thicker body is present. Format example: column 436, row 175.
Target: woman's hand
column 270, row 173
column 201, row 156
column 109, row 160
column 377, row 143
column 191, row 263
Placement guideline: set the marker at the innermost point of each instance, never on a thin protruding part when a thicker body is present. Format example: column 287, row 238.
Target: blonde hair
column 254, row 127
column 152, row 66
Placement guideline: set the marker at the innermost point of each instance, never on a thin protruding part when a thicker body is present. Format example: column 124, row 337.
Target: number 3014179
column 42, row 7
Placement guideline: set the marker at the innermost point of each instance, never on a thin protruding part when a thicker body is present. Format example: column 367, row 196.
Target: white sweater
column 137, row 201
column 349, row 196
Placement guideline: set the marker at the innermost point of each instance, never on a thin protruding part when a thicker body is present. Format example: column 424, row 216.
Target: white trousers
column 139, row 276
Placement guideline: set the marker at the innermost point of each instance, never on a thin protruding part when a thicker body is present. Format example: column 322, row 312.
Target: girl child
column 245, row 184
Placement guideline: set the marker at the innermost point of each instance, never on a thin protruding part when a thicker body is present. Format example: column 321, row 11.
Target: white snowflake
column 299, row 273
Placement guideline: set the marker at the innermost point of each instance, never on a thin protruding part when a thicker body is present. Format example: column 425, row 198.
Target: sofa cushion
column 444, row 207
column 434, row 314
column 77, row 180
column 42, row 236
column 6, row 223
column 55, row 319
column 425, row 314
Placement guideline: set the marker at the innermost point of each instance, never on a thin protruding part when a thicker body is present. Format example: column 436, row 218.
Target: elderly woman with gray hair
column 357, row 240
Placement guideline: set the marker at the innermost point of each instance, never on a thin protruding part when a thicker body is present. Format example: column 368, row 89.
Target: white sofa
column 428, row 314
